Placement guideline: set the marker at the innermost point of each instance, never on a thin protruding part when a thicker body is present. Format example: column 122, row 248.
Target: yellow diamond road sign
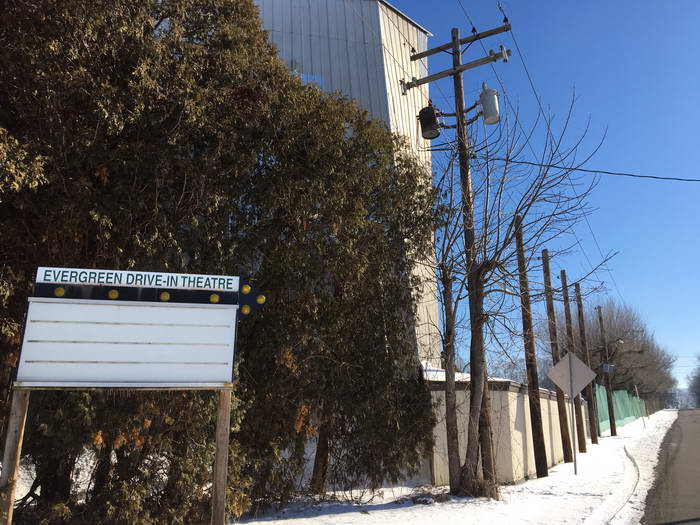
column 571, row 374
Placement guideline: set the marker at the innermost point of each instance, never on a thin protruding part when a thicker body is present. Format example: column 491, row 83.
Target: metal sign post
column 94, row 329
column 638, row 401
column 571, row 375
column 573, row 419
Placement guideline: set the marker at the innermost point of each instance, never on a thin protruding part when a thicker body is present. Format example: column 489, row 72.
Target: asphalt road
column 675, row 496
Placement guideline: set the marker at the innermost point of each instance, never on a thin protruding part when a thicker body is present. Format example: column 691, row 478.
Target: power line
column 602, row 172
column 517, row 120
column 549, row 131
column 551, row 135
column 467, row 15
column 527, row 139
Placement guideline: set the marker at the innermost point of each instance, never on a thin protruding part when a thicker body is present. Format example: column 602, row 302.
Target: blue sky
column 634, row 69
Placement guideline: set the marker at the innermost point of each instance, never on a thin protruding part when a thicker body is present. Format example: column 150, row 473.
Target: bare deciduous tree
column 637, row 357
column 551, row 199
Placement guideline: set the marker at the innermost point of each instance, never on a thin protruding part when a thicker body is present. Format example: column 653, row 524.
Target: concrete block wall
column 512, row 430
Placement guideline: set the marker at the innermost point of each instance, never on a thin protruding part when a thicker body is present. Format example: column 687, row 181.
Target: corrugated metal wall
column 362, row 48
column 401, row 39
column 335, row 43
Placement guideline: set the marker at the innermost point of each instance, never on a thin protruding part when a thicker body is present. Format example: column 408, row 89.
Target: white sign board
column 571, row 374
column 72, row 342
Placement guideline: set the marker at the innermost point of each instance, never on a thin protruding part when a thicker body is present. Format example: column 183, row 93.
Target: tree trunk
column 452, row 432
column 488, row 460
column 318, row 478
column 103, row 471
column 470, row 484
column 55, row 479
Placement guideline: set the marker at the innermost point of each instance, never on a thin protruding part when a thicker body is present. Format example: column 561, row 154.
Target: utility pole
column 479, row 388
column 533, row 387
column 585, row 352
column 554, row 342
column 580, row 431
column 608, row 383
column 479, row 428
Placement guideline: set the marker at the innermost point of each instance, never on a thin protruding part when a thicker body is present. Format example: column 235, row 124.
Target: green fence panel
column 626, row 414
column 602, row 405
column 627, row 408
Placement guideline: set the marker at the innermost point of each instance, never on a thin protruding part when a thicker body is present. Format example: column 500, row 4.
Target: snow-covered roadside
column 606, row 479
column 644, row 451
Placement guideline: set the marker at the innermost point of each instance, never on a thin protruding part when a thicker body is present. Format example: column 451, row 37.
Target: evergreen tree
column 166, row 135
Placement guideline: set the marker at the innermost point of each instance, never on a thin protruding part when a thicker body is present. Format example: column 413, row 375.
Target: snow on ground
column 610, row 487
column 438, row 374
column 643, row 447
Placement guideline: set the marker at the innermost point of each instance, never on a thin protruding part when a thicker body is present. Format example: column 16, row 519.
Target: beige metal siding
column 401, row 39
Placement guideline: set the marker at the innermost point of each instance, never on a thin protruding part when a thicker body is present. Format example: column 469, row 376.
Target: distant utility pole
column 580, row 431
column 533, row 386
column 608, row 383
column 586, row 354
column 554, row 342
column 479, row 398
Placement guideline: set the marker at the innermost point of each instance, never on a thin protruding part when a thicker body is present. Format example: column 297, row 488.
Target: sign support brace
column 223, row 428
column 12, row 454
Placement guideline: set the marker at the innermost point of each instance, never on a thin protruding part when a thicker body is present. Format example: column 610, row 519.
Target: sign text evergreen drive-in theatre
column 129, row 278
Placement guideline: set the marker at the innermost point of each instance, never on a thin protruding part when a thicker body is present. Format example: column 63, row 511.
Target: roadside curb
column 616, row 500
column 626, row 504
column 634, row 489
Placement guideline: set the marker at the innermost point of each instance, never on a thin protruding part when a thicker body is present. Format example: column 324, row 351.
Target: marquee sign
column 128, row 329
column 134, row 330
